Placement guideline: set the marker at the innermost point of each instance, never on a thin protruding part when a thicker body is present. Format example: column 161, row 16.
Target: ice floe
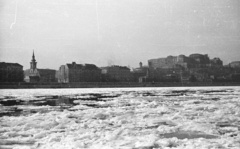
column 120, row 118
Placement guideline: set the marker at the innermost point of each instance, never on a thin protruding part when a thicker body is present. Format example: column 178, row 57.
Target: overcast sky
column 120, row 32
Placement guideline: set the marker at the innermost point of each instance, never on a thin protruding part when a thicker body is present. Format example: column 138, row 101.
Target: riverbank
column 112, row 84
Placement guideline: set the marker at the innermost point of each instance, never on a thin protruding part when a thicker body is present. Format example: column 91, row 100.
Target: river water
column 134, row 118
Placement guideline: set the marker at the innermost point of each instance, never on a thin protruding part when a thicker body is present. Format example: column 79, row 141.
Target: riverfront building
column 78, row 73
column 11, row 72
column 116, row 74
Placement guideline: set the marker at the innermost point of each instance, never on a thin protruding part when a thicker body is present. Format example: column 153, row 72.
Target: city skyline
column 117, row 32
column 140, row 64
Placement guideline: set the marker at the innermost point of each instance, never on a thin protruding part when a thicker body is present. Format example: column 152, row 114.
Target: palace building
column 182, row 61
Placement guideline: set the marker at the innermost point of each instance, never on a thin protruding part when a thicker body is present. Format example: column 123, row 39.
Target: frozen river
column 120, row 118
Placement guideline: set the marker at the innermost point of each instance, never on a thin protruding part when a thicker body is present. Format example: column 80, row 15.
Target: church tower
column 32, row 74
column 33, row 63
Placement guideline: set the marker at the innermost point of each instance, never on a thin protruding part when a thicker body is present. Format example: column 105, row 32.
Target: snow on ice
column 120, row 118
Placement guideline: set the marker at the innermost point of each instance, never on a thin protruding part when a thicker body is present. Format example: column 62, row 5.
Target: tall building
column 78, row 73
column 38, row 75
column 11, row 72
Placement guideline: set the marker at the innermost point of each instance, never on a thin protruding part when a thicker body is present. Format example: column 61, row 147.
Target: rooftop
column 3, row 64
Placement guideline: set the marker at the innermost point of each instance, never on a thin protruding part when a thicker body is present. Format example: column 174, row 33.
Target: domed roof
column 196, row 55
column 181, row 55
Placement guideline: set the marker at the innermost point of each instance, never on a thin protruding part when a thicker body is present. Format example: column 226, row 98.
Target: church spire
column 33, row 56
